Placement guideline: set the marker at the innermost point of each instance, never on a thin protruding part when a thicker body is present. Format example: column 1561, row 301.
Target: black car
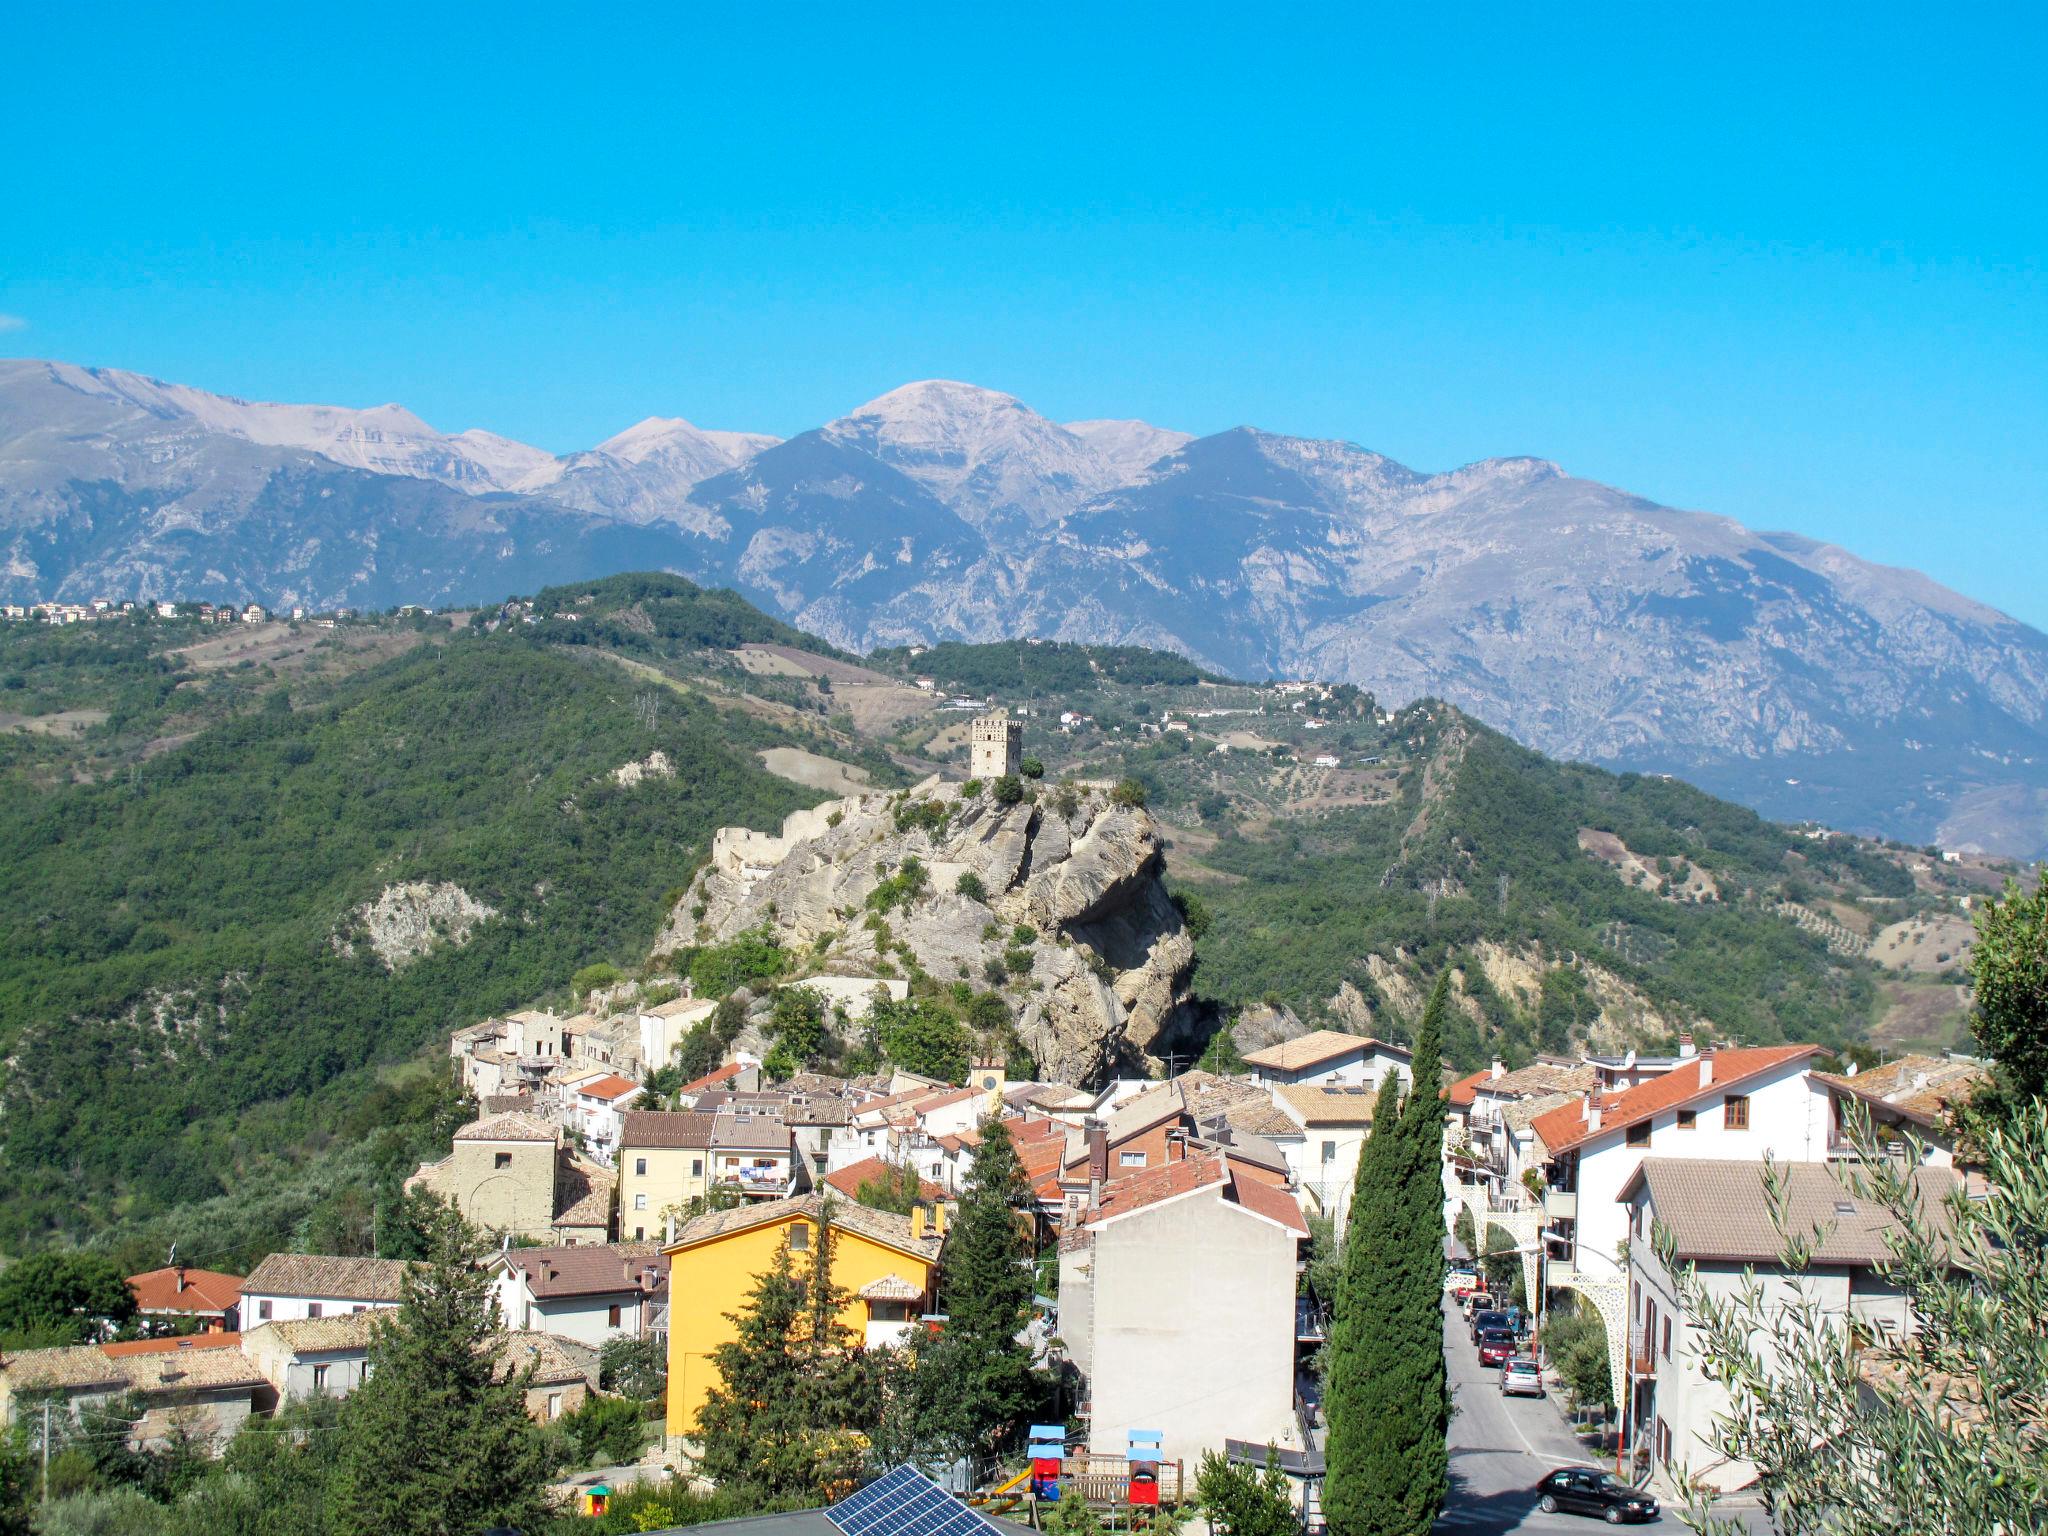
column 1584, row 1491
column 1481, row 1321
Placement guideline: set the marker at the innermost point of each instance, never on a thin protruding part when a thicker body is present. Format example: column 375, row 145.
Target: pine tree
column 976, row 1378
column 436, row 1441
column 792, row 1396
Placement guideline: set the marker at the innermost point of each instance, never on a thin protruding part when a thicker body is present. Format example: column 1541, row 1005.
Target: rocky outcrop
column 1062, row 898
column 411, row 918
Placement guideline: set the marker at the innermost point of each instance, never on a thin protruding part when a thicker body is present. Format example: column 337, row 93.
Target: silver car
column 1521, row 1376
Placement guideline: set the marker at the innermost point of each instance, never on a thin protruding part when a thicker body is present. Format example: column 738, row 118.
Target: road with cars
column 1501, row 1447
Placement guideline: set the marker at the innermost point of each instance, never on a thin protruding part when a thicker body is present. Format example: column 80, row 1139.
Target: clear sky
column 1782, row 262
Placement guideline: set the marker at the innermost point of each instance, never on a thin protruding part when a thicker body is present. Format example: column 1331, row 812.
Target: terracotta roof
column 1169, row 1181
column 1316, row 1047
column 75, row 1366
column 849, row 1179
column 664, row 1128
column 1918, row 1088
column 506, row 1104
column 555, row 1360
column 590, row 1269
column 202, row 1290
column 1543, row 1077
column 718, row 1075
column 822, row 1109
column 1519, row 1114
column 1326, row 1104
column 1459, row 1094
column 759, row 1133
column 1716, row 1209
column 87, row 1366
column 891, row 1287
column 216, row 1369
column 320, row 1274
column 1566, row 1126
column 609, row 1086
column 170, row 1344
column 513, row 1127
column 885, row 1227
column 585, row 1196
column 322, row 1335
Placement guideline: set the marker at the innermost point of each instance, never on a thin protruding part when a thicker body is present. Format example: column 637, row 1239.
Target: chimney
column 917, row 1223
column 1707, row 1070
column 1499, row 1069
column 1098, row 1162
column 180, row 1268
column 1919, row 1081
column 1593, row 1117
column 1686, row 1049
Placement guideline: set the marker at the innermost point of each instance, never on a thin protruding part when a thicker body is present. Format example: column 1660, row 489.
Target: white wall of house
column 586, row 1319
column 1324, row 1161
column 258, row 1308
column 1359, row 1066
column 1788, row 1120
column 1181, row 1316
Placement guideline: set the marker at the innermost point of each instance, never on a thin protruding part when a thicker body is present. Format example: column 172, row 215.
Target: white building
column 1330, row 1056
column 588, row 1293
column 663, row 1027
column 596, row 1107
column 286, row 1287
column 1720, row 1223
column 1729, row 1105
column 1335, row 1120
column 1177, row 1295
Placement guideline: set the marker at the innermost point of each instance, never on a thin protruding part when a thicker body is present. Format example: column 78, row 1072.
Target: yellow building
column 663, row 1163
column 886, row 1264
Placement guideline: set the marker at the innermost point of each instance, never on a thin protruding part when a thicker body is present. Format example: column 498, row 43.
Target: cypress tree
column 1429, row 1412
column 436, row 1439
column 1360, row 1491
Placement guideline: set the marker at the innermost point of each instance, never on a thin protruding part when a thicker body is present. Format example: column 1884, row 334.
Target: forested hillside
column 185, row 995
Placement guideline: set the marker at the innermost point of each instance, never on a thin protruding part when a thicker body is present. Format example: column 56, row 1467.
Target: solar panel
column 904, row 1502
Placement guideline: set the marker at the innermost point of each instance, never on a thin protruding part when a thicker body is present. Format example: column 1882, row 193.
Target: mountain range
column 1585, row 621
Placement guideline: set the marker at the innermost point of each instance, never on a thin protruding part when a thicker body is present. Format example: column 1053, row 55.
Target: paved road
column 1501, row 1446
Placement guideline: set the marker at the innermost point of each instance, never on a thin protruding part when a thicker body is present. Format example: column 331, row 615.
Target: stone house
column 312, row 1356
column 199, row 1386
column 511, row 1174
column 995, row 745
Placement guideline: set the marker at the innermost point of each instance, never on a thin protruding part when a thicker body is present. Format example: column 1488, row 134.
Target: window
column 611, row 1319
column 359, row 1307
column 263, row 1310
column 1329, row 1151
column 501, row 1160
column 319, row 1378
column 799, row 1238
column 554, row 1405
column 1130, row 1159
column 1667, row 1339
column 697, row 1167
column 312, row 1309
column 1639, row 1134
column 1735, row 1112
column 640, row 1165
column 638, row 1233
column 1688, row 1119
column 639, row 1202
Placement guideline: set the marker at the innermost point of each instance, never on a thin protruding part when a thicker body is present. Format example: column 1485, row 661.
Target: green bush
column 1009, row 789
column 1031, row 768
column 592, row 977
column 1128, row 792
column 969, row 885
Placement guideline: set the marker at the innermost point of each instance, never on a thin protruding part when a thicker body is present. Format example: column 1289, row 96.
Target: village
column 1177, row 1226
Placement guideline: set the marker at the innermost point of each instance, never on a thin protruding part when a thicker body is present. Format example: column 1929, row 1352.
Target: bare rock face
column 411, row 918
column 1064, row 898
column 1265, row 1024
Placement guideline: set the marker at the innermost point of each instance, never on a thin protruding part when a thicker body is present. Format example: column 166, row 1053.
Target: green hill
column 177, row 993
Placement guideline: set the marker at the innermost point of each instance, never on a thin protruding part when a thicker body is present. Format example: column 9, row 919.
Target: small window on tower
column 501, row 1160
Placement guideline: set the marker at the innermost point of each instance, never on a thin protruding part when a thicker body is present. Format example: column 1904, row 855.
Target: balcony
column 1561, row 1204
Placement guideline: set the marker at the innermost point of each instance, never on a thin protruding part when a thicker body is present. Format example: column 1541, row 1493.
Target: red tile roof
column 1565, row 1127
column 849, row 1179
column 1463, row 1090
column 610, row 1086
column 205, row 1290
column 121, row 1348
column 1155, row 1186
column 697, row 1085
column 1269, row 1201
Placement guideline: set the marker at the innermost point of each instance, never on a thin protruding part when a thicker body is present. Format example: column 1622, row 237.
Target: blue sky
column 1783, row 263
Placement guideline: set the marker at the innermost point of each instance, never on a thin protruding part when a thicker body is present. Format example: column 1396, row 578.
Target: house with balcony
column 1330, row 1056
column 753, row 1154
column 1911, row 1097
column 1720, row 1224
column 664, row 1158
column 595, row 1107
column 1731, row 1105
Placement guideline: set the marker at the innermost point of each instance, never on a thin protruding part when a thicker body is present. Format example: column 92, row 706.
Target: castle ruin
column 995, row 745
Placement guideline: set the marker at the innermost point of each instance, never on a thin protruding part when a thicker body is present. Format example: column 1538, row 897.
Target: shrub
column 901, row 888
column 971, row 790
column 928, row 815
column 1017, row 961
column 1031, row 768
column 969, row 885
column 1009, row 789
column 591, row 977
column 1023, row 934
column 1128, row 792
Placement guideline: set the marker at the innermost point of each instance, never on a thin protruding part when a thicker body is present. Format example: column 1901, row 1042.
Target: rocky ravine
column 1107, row 985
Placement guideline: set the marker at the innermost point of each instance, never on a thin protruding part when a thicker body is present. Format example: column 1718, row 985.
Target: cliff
column 1065, row 903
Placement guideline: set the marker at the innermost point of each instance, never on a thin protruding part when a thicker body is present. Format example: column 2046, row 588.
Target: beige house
column 1177, row 1294
column 1335, row 1120
column 312, row 1357
column 289, row 1287
column 663, row 1027
column 188, row 1387
column 663, row 1163
column 1330, row 1056
column 511, row 1174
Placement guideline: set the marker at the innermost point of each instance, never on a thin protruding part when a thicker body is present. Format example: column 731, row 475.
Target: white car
column 1521, row 1376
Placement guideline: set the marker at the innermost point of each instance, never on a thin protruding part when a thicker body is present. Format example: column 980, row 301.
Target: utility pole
column 46, row 1453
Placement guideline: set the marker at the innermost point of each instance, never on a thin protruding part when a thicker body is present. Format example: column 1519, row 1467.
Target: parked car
column 1496, row 1346
column 1476, row 1301
column 1461, row 1283
column 1521, row 1376
column 1584, row 1491
column 1487, row 1318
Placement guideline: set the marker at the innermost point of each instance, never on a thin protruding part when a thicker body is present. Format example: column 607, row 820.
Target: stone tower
column 995, row 745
